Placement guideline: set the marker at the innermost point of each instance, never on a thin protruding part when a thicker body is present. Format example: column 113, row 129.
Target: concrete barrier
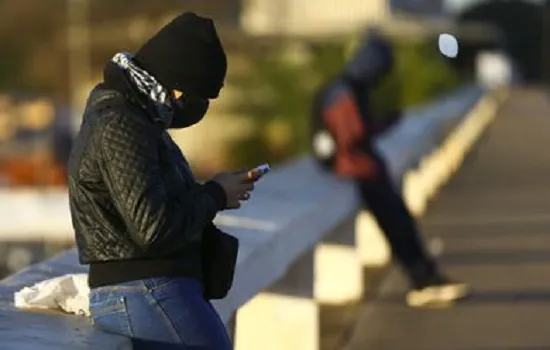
column 299, row 245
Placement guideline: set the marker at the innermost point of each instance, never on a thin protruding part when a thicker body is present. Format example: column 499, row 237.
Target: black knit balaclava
column 186, row 55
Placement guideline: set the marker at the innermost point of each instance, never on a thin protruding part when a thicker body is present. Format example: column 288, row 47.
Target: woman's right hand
column 237, row 187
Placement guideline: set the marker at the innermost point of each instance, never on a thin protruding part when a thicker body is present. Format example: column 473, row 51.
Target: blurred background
column 53, row 52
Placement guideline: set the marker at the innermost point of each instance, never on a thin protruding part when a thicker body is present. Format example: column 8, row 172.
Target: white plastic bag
column 68, row 292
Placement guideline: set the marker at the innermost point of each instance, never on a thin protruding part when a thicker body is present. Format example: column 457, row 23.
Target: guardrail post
column 372, row 248
column 286, row 316
column 338, row 267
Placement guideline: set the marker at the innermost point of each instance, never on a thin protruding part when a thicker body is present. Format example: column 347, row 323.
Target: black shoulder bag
column 219, row 259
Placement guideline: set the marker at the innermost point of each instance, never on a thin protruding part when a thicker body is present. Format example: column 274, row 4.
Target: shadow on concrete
column 501, row 257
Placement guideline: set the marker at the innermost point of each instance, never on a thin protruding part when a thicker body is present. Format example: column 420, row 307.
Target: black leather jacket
column 132, row 195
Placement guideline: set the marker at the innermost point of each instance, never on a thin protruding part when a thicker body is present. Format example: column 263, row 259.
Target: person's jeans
column 160, row 310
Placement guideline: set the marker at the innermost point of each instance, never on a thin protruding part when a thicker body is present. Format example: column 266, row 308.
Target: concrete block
column 286, row 316
column 338, row 267
column 414, row 192
column 433, row 172
column 274, row 322
column 372, row 247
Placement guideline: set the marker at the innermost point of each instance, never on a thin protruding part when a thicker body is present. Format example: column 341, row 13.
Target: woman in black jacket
column 142, row 222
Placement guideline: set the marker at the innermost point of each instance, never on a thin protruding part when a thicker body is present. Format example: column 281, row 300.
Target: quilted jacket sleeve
column 156, row 218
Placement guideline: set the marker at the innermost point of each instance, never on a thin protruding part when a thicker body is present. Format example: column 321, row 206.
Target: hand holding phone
column 258, row 172
column 237, row 187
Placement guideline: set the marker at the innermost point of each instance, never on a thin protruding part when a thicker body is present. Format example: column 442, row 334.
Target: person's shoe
column 438, row 292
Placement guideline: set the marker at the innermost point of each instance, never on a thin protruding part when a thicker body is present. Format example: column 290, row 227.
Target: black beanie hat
column 186, row 55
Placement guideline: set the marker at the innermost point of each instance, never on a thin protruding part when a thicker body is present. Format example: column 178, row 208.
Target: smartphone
column 258, row 172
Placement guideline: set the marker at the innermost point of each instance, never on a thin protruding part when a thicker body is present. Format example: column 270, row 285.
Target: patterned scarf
column 149, row 86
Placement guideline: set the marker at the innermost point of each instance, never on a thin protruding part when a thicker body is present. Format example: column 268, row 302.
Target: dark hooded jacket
column 341, row 111
column 136, row 208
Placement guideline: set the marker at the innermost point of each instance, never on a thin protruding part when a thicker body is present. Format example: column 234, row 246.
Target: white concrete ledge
column 299, row 247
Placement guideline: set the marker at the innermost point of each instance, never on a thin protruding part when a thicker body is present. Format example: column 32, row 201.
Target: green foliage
column 11, row 64
column 420, row 75
column 277, row 93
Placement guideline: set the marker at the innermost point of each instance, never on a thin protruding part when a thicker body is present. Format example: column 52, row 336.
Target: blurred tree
column 276, row 94
column 420, row 74
column 36, row 30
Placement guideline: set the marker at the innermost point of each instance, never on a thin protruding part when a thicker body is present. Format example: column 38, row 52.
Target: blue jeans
column 167, row 310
